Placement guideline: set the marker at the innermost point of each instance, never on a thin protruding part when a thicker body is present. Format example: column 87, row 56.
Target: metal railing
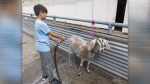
column 109, row 24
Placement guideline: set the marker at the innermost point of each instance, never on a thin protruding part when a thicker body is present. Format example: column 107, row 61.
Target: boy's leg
column 43, row 63
column 50, row 68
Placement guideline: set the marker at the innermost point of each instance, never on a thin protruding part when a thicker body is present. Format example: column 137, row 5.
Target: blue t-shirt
column 41, row 36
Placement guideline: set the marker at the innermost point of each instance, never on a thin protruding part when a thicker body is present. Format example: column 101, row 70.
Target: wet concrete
column 32, row 69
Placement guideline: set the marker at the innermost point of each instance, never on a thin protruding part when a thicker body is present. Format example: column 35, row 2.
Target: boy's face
column 43, row 15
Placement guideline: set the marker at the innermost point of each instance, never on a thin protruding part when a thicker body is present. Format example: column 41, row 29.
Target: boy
column 43, row 35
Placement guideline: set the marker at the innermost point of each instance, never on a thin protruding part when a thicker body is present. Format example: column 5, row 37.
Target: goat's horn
column 98, row 42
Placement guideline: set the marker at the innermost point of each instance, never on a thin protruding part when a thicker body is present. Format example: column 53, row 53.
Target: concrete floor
column 32, row 69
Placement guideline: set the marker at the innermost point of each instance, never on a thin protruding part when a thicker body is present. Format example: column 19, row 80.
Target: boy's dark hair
column 39, row 8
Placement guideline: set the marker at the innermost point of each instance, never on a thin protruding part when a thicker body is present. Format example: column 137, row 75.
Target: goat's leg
column 75, row 57
column 81, row 64
column 70, row 58
column 88, row 64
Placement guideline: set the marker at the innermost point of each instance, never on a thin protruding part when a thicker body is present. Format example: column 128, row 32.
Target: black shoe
column 55, row 81
column 44, row 77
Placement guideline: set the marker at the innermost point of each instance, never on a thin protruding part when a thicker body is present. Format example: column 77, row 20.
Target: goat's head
column 105, row 44
column 98, row 44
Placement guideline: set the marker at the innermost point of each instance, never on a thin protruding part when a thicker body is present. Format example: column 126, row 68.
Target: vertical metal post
column 54, row 18
column 109, row 29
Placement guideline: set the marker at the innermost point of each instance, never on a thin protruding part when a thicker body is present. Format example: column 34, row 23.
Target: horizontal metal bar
column 110, row 70
column 85, row 20
column 107, row 36
column 90, row 21
column 112, row 64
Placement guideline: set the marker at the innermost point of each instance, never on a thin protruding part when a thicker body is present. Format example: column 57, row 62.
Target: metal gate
column 114, row 60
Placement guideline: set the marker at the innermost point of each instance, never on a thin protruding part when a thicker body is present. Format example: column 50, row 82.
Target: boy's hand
column 63, row 38
column 57, row 42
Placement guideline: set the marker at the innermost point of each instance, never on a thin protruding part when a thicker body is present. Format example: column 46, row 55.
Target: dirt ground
column 32, row 69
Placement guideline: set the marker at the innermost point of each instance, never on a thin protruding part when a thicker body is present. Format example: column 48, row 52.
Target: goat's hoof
column 75, row 61
column 78, row 74
column 70, row 65
column 89, row 72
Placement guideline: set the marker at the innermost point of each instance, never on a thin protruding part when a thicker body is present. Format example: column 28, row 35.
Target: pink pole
column 93, row 32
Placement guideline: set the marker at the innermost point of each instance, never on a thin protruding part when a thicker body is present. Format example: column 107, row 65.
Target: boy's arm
column 56, row 35
column 53, row 39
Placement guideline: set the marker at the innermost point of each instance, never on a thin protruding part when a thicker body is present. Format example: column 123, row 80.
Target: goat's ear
column 91, row 45
column 107, row 44
column 98, row 41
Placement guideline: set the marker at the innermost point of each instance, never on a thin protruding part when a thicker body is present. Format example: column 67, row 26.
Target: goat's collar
column 97, row 39
column 92, row 51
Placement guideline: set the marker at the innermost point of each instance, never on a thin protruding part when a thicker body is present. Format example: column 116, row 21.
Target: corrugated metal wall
column 114, row 60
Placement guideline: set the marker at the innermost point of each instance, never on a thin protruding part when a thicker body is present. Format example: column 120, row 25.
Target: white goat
column 86, row 50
